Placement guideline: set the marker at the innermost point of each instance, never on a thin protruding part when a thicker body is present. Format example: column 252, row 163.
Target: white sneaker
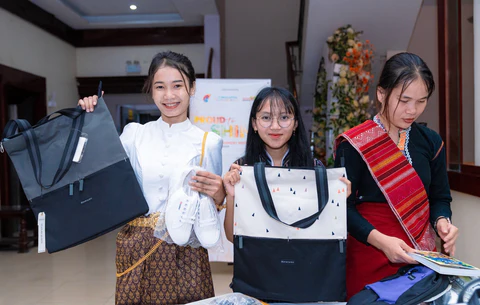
column 181, row 209
column 207, row 225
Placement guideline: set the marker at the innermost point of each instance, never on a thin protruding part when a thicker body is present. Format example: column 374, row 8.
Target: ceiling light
column 133, row 7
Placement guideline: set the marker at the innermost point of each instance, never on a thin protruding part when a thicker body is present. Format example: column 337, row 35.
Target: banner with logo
column 223, row 106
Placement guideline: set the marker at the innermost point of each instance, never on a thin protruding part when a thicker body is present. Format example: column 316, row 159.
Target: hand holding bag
column 289, row 234
column 79, row 200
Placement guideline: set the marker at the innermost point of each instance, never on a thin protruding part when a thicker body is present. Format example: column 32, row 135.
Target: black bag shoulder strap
column 23, row 126
column 28, row 132
column 267, row 201
column 67, row 156
column 14, row 125
column 99, row 91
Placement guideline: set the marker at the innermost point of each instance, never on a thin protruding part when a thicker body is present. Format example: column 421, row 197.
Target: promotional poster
column 223, row 106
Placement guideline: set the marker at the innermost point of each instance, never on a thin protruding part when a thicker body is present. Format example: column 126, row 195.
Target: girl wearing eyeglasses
column 276, row 136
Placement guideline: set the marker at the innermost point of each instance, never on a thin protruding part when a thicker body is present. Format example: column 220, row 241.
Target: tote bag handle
column 267, row 201
column 78, row 118
column 14, row 125
column 72, row 113
column 68, row 152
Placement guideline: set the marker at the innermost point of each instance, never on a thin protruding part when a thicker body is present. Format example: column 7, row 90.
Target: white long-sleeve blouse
column 156, row 149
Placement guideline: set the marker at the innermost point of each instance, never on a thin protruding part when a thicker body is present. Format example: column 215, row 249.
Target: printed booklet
column 444, row 264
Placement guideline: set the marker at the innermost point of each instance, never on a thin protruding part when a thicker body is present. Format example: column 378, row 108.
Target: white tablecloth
column 241, row 299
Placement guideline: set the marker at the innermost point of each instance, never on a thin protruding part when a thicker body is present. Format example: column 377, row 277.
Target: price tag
column 82, row 143
column 41, row 232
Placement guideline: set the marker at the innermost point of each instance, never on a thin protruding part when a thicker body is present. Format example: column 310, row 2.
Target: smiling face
column 274, row 125
column 404, row 107
column 171, row 93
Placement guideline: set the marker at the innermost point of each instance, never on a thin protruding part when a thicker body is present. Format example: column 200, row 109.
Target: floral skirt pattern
column 172, row 274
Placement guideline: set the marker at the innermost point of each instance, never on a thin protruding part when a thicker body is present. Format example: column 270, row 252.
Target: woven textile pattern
column 171, row 275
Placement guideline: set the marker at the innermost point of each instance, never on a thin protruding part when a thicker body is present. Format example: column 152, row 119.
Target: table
column 238, row 298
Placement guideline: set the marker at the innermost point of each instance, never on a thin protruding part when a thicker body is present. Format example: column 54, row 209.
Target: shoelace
column 187, row 219
column 207, row 222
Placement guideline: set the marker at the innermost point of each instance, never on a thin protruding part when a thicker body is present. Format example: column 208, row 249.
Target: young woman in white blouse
column 171, row 274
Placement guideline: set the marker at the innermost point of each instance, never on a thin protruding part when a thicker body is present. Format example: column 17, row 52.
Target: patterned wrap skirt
column 171, row 274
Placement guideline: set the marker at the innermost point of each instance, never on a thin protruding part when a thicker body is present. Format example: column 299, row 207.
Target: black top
column 429, row 161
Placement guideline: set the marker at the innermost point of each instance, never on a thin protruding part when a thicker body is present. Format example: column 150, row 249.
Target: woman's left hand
column 209, row 184
column 349, row 185
column 448, row 233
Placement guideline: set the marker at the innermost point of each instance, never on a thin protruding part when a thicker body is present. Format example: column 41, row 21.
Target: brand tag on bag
column 41, row 232
column 82, row 143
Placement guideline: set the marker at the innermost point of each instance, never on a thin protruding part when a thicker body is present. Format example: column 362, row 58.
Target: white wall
column 424, row 43
column 465, row 209
column 26, row 47
column 255, row 36
column 114, row 101
column 110, row 61
column 388, row 24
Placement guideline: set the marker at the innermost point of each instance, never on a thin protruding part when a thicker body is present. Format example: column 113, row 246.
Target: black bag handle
column 72, row 113
column 267, row 201
column 99, row 91
column 68, row 152
column 33, row 148
column 78, row 118
column 14, row 125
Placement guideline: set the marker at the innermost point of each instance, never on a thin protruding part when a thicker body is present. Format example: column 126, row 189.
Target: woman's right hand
column 231, row 178
column 394, row 248
column 88, row 103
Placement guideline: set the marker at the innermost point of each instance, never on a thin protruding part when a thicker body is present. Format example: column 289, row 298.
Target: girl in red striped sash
column 400, row 192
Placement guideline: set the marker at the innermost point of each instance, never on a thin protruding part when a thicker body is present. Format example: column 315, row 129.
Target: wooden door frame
column 25, row 81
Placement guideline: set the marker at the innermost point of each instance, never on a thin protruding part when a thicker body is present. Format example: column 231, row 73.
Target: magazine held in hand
column 444, row 264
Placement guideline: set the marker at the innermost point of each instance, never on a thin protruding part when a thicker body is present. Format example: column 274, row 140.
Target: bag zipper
column 1, row 147
column 341, row 242
column 80, row 186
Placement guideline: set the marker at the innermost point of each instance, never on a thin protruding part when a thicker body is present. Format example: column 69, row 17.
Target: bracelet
column 436, row 221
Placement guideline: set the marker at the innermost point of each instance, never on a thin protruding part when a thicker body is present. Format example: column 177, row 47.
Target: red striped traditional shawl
column 397, row 179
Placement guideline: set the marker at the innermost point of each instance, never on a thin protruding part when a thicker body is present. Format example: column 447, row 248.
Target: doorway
column 22, row 95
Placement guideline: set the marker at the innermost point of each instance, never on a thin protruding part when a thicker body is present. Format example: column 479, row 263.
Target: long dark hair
column 401, row 70
column 173, row 60
column 298, row 144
